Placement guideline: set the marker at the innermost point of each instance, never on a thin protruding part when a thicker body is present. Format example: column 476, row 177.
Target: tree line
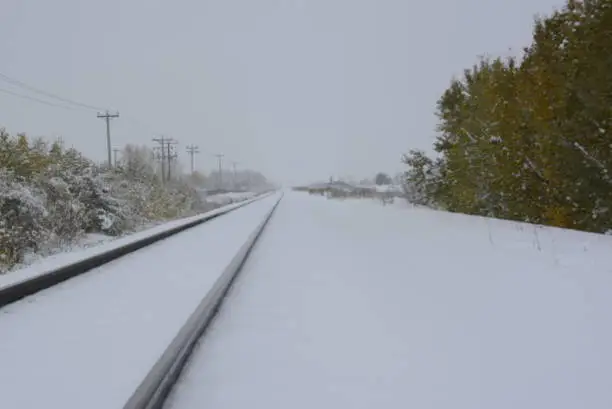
column 50, row 197
column 529, row 139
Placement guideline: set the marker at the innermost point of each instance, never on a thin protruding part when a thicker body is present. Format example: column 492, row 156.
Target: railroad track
column 163, row 376
column 85, row 326
column 10, row 293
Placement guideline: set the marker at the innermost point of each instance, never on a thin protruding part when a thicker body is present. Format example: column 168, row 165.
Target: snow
column 89, row 342
column 47, row 264
column 86, row 241
column 393, row 188
column 229, row 197
column 350, row 304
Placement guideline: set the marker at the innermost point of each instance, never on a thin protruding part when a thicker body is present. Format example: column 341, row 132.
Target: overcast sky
column 298, row 89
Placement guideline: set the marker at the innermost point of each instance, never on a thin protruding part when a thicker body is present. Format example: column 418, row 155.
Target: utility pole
column 107, row 117
column 219, row 158
column 159, row 155
column 165, row 153
column 162, row 156
column 170, row 155
column 115, row 152
column 234, row 168
column 192, row 150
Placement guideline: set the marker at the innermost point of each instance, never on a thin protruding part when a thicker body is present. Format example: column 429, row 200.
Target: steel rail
column 158, row 383
column 16, row 291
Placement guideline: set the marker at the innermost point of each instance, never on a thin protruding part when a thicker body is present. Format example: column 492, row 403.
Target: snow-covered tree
column 22, row 216
column 51, row 196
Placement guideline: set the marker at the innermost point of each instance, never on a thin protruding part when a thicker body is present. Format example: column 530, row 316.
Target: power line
column 40, row 101
column 73, row 105
column 77, row 104
column 141, row 125
column 22, row 84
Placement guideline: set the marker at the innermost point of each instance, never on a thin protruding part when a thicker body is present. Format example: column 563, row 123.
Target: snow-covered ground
column 351, row 304
column 96, row 244
column 229, row 197
column 54, row 249
column 89, row 342
column 65, row 251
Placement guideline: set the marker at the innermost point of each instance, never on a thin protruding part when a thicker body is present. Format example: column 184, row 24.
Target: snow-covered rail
column 155, row 388
column 90, row 341
column 21, row 287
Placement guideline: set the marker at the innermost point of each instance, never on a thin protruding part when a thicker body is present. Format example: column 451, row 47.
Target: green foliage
column 531, row 141
column 422, row 178
column 50, row 196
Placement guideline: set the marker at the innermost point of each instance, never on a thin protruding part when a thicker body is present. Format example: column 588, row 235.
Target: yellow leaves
column 160, row 205
column 22, row 143
column 557, row 216
column 8, row 254
column 510, row 130
column 23, row 157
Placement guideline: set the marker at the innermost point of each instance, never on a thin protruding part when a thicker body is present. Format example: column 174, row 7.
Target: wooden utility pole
column 165, row 153
column 170, row 155
column 107, row 117
column 234, row 168
column 162, row 155
column 219, row 158
column 115, row 152
column 192, row 150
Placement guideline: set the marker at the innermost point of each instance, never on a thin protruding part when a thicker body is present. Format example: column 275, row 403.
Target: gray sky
column 298, row 89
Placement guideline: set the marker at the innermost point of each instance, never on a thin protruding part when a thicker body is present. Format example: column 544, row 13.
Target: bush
column 49, row 196
column 22, row 217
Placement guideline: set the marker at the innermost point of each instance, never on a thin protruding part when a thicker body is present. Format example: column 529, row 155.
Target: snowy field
column 89, row 342
column 351, row 304
column 230, row 197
